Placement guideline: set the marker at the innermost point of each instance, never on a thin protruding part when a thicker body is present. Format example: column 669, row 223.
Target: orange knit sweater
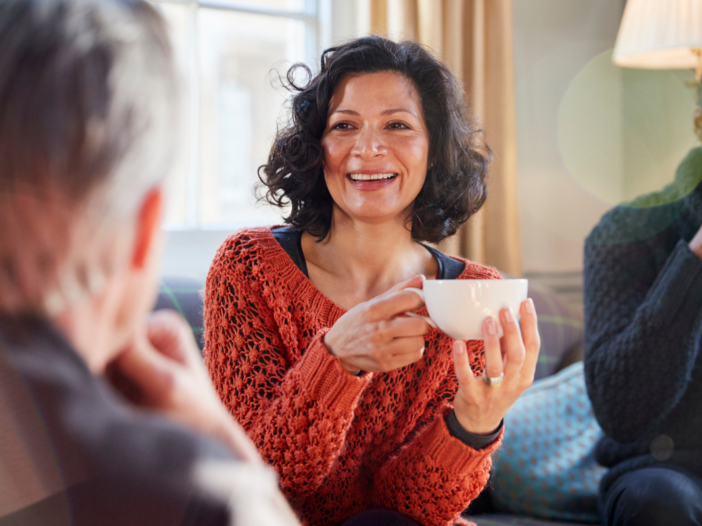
column 340, row 444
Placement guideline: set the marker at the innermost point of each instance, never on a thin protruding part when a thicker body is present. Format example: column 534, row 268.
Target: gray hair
column 87, row 108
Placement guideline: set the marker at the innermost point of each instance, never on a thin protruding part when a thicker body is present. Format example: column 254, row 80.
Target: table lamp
column 663, row 34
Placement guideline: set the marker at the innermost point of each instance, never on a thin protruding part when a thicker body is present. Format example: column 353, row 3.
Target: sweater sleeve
column 642, row 309
column 296, row 412
column 435, row 476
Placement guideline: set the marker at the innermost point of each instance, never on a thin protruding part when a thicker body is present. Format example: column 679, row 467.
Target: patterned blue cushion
column 546, row 467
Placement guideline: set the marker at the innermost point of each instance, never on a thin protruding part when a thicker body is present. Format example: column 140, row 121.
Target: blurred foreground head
column 87, row 97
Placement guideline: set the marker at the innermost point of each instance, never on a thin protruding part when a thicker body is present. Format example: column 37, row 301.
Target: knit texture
column 341, row 444
column 643, row 315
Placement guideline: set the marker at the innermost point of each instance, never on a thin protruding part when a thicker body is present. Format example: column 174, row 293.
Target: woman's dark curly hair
column 455, row 185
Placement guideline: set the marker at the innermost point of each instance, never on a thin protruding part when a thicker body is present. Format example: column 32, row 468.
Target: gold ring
column 491, row 381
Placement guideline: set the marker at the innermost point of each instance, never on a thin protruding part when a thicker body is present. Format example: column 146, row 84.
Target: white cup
column 458, row 307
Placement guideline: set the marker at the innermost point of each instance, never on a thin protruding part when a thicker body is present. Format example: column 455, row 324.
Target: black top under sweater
column 449, row 268
column 643, row 317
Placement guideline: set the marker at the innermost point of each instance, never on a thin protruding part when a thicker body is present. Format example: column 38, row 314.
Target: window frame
column 189, row 247
column 316, row 17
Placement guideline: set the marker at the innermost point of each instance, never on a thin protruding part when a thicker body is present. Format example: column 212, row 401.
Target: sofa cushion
column 499, row 519
column 546, row 467
column 561, row 330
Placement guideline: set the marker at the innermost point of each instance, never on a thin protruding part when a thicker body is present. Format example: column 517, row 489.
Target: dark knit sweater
column 643, row 316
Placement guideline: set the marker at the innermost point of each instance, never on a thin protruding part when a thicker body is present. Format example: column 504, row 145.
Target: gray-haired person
column 87, row 102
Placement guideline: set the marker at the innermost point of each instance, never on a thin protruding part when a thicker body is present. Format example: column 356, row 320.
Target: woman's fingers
column 493, row 351
column 461, row 364
column 532, row 340
column 360, row 337
column 401, row 327
column 399, row 302
column 479, row 408
column 398, row 353
column 406, row 350
column 513, row 346
column 416, row 281
column 403, row 360
column 403, row 342
column 396, row 300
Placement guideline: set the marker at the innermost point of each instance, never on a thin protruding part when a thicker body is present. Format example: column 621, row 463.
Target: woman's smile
column 365, row 181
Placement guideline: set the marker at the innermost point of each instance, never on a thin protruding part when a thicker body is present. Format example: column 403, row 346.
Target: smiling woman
column 358, row 407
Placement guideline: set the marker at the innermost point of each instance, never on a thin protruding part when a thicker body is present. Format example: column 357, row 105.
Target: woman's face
column 376, row 147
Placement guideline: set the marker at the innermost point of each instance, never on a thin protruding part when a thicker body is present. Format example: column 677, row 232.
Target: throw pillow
column 546, row 466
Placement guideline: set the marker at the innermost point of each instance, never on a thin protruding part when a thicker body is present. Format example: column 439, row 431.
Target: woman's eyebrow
column 347, row 112
column 399, row 110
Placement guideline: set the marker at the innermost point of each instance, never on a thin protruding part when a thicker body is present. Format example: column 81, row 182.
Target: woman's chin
column 377, row 215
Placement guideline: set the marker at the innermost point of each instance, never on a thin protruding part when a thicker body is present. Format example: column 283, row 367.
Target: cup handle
column 420, row 293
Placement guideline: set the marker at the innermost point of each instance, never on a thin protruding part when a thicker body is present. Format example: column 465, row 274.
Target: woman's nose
column 369, row 143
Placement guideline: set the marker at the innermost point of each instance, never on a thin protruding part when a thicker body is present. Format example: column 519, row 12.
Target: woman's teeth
column 371, row 177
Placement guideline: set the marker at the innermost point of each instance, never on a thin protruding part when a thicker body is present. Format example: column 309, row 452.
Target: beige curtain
column 474, row 38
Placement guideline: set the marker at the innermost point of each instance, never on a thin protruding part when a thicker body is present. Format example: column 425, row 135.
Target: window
column 229, row 54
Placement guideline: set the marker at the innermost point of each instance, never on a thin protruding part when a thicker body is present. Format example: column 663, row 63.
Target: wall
column 349, row 19
column 553, row 41
column 590, row 134
column 657, row 127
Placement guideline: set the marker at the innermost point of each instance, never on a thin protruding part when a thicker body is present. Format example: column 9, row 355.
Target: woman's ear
column 147, row 229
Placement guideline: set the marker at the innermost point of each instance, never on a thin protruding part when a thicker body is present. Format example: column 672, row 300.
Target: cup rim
column 509, row 280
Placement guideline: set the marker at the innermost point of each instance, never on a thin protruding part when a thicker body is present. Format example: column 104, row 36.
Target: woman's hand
column 162, row 369
column 480, row 408
column 373, row 337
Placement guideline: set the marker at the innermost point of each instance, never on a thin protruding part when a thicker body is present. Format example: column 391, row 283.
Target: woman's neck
column 359, row 260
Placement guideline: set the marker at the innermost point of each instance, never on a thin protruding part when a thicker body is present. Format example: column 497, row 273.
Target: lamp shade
column 659, row 34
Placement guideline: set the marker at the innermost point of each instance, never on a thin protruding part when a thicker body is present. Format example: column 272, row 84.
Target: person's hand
column 696, row 243
column 162, row 370
column 480, row 408
column 374, row 337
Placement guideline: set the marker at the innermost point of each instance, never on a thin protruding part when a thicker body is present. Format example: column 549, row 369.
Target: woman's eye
column 399, row 126
column 341, row 126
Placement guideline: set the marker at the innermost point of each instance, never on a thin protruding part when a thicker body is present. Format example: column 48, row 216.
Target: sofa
column 560, row 326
